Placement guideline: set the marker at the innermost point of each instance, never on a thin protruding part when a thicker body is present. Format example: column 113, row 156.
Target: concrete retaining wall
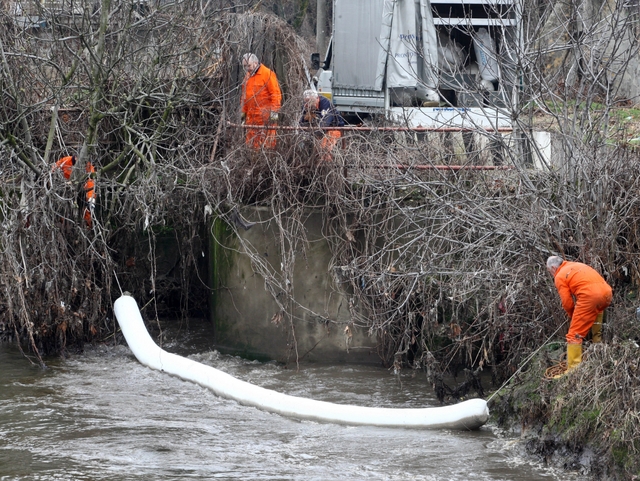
column 246, row 316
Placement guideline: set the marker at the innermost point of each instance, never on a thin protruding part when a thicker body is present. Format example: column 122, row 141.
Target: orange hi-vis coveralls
column 261, row 96
column 575, row 280
column 65, row 164
column 90, row 195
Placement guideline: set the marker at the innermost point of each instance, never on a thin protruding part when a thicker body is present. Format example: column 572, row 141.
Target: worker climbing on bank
column 65, row 165
column 261, row 101
column 89, row 195
column 584, row 295
column 318, row 111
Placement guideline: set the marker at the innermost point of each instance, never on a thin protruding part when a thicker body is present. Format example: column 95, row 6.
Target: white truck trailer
column 438, row 63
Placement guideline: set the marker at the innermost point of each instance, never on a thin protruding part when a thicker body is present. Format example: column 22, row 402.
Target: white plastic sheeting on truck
column 485, row 49
column 469, row 414
column 408, row 47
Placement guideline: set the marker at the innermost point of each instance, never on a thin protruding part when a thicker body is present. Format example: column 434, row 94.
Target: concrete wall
column 243, row 311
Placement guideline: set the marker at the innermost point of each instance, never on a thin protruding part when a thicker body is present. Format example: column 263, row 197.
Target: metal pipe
column 371, row 129
column 444, row 167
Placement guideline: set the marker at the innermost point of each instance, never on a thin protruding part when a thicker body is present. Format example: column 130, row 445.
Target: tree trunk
column 321, row 26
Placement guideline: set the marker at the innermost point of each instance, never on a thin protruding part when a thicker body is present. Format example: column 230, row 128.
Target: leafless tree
column 439, row 263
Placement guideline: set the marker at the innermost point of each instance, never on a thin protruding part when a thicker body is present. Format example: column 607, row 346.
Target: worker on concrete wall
column 584, row 295
column 261, row 101
column 318, row 111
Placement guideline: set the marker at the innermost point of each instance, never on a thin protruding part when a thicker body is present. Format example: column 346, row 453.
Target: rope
column 525, row 363
column 118, row 282
column 556, row 370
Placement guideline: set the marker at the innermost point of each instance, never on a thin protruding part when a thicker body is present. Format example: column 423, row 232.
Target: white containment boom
column 469, row 414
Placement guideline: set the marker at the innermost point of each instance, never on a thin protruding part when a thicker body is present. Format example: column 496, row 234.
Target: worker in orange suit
column 90, row 195
column 261, row 101
column 584, row 295
column 318, row 111
column 65, row 164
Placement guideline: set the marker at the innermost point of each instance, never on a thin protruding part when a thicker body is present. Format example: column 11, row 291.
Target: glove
column 273, row 118
column 243, row 118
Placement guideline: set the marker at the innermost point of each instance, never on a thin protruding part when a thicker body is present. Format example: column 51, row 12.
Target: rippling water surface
column 103, row 416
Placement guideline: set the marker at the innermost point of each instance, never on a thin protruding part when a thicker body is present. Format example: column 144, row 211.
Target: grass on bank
column 591, row 416
column 623, row 122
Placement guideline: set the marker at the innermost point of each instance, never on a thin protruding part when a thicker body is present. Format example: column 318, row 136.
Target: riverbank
column 586, row 421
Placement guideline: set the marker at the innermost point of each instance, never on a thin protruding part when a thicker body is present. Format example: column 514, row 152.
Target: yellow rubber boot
column 574, row 356
column 596, row 329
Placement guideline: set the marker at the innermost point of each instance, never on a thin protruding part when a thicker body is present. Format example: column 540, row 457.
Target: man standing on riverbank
column 584, row 295
column 261, row 101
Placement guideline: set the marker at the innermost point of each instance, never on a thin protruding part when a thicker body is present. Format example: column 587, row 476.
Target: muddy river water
column 103, row 416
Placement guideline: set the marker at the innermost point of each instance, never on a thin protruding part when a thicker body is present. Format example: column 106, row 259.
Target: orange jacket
column 575, row 279
column 65, row 164
column 260, row 96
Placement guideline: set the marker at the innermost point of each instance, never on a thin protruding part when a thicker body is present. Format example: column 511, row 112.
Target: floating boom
column 469, row 414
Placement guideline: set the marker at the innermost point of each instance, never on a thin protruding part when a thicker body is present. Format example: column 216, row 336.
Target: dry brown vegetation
column 439, row 264
column 444, row 266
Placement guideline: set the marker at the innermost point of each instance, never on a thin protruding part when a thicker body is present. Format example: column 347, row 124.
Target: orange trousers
column 329, row 141
column 257, row 138
column 90, row 195
column 588, row 306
